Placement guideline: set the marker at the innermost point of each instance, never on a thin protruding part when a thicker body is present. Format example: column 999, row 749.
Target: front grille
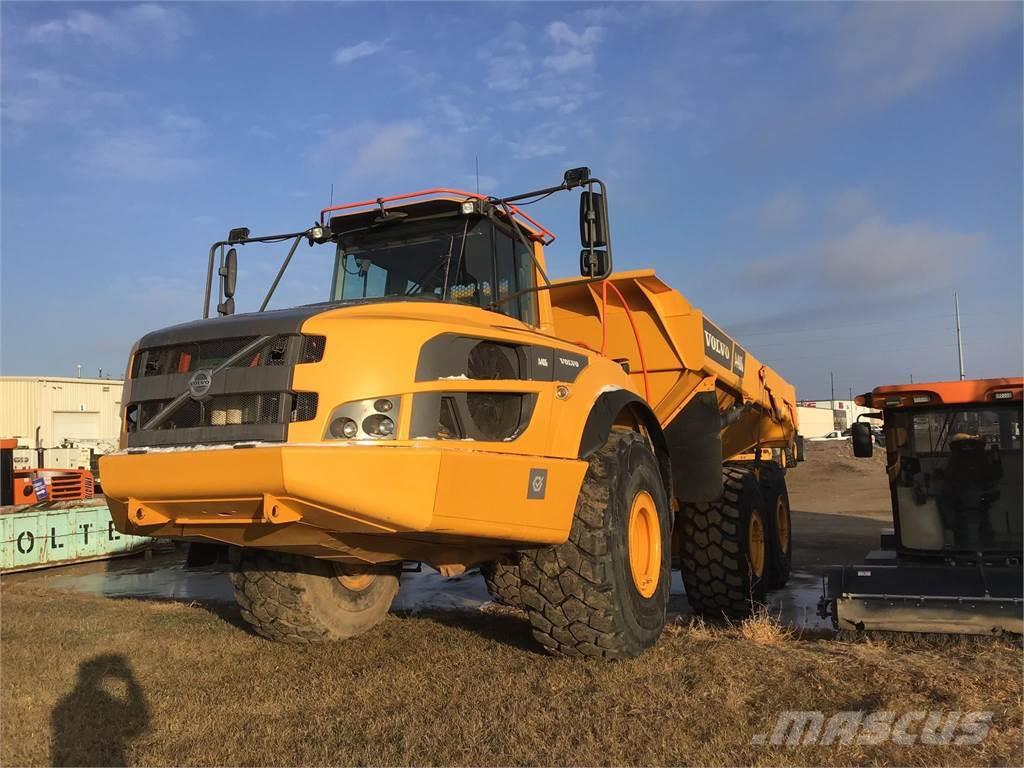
column 195, row 355
column 226, row 410
column 249, row 400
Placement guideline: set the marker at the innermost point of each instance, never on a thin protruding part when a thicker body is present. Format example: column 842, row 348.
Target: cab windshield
column 956, row 476
column 464, row 260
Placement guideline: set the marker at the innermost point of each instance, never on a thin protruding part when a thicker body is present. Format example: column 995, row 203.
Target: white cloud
column 907, row 258
column 574, row 50
column 124, row 29
column 850, row 205
column 508, row 60
column 781, row 213
column 857, row 248
column 358, row 51
column 155, row 153
column 33, row 95
column 530, row 150
column 885, row 50
column 375, row 149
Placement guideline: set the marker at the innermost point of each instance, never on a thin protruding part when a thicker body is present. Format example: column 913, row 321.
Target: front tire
column 604, row 592
column 296, row 599
column 725, row 548
column 503, row 582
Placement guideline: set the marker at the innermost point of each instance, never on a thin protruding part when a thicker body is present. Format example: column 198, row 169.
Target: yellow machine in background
column 445, row 402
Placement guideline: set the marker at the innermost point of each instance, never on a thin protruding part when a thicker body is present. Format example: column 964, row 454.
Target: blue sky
column 818, row 177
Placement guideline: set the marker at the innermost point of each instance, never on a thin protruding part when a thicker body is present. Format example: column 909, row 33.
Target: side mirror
column 863, row 446
column 594, row 234
column 593, row 220
column 228, row 278
column 229, row 273
column 594, row 263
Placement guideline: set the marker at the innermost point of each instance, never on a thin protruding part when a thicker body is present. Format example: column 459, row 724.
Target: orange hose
column 632, row 323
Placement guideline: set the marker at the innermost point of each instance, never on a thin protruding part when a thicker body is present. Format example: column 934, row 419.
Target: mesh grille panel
column 312, row 349
column 225, row 410
column 192, row 356
column 304, row 406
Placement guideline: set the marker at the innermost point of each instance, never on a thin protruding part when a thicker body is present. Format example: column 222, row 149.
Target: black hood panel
column 271, row 323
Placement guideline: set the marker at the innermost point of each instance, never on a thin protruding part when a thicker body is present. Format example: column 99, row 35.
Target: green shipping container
column 36, row 538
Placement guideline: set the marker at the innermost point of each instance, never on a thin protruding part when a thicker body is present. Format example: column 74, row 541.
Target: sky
column 818, row 177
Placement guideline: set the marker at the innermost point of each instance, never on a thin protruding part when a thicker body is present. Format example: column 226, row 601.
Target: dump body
column 673, row 352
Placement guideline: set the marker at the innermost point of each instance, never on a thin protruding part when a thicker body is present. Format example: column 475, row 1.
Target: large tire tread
column 714, row 565
column 569, row 590
column 504, row 582
column 273, row 595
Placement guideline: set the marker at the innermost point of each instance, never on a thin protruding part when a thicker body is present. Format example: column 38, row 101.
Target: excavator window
column 957, row 476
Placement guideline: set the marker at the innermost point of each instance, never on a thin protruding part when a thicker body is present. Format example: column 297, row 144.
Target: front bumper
column 373, row 503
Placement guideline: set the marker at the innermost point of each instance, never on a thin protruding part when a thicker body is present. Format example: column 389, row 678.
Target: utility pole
column 959, row 340
column 832, row 402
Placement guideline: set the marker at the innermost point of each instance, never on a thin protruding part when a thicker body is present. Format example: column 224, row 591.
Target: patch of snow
column 460, row 377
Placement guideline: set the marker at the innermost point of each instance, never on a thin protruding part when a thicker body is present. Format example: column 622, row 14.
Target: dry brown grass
column 456, row 689
column 763, row 627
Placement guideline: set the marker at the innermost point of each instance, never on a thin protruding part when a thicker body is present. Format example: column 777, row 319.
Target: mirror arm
column 280, row 272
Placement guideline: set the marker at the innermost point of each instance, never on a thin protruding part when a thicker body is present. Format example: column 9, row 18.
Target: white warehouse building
column 46, row 412
column 843, row 414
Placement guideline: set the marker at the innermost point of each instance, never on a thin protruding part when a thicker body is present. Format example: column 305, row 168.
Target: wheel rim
column 644, row 544
column 782, row 523
column 354, row 578
column 755, row 540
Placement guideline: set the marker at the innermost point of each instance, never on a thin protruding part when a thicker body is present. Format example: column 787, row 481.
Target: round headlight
column 378, row 426
column 344, row 427
column 383, row 405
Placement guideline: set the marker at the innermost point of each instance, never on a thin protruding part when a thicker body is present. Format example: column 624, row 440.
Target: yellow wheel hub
column 354, row 578
column 644, row 544
column 782, row 524
column 755, row 539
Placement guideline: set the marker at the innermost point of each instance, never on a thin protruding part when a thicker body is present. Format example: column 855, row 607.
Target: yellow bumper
column 373, row 503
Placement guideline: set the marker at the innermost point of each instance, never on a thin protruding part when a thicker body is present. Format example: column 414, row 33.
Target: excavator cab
column 952, row 562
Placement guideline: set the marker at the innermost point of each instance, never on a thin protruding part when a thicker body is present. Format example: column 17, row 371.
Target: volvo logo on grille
column 199, row 383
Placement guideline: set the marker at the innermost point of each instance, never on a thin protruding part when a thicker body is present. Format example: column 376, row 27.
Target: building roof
column 63, row 379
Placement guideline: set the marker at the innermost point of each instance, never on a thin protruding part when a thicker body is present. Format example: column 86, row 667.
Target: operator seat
column 968, row 491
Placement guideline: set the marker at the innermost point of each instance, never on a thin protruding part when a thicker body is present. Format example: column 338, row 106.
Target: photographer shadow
column 94, row 723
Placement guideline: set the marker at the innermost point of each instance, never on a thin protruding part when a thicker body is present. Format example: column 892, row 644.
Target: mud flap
column 695, row 444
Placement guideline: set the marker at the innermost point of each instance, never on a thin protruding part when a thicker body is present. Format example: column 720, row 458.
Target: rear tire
column 780, row 526
column 604, row 592
column 503, row 582
column 296, row 599
column 724, row 548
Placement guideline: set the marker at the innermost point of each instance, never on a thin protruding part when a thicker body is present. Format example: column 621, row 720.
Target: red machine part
column 61, row 485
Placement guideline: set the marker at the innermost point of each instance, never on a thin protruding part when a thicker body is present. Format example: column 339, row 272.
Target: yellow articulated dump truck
column 442, row 401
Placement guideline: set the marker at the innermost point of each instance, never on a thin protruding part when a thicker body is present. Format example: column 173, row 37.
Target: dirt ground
column 86, row 679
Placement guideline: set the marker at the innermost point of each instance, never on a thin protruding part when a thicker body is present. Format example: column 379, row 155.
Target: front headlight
column 373, row 419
